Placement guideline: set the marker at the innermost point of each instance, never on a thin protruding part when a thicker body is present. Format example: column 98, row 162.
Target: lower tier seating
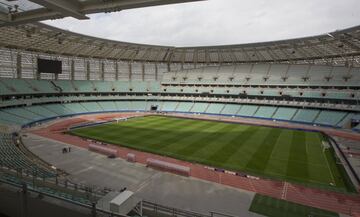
column 12, row 157
column 23, row 116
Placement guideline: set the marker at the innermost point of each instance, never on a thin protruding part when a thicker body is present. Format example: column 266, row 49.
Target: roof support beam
column 30, row 17
column 67, row 8
column 56, row 9
column 118, row 5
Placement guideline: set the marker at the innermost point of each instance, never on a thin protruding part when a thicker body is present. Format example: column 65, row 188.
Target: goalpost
column 120, row 119
column 325, row 146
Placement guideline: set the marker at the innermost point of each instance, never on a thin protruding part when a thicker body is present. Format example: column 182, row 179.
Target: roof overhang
column 29, row 11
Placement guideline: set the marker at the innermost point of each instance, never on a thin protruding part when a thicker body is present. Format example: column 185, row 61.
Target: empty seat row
column 12, row 157
column 271, row 74
column 29, row 114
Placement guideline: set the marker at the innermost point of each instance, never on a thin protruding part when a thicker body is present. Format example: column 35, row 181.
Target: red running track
column 337, row 202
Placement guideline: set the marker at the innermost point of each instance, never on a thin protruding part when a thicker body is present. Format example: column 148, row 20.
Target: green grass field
column 272, row 207
column 291, row 155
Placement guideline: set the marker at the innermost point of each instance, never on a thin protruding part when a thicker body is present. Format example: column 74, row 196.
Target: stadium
column 97, row 127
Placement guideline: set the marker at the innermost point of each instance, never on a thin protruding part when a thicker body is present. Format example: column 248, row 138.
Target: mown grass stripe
column 279, row 157
column 200, row 139
column 262, row 155
column 297, row 152
column 246, row 151
column 230, row 148
column 202, row 148
column 183, row 135
column 227, row 136
column 153, row 129
column 164, row 138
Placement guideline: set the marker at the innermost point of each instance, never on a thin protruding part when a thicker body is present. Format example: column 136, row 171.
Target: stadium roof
column 15, row 12
column 16, row 32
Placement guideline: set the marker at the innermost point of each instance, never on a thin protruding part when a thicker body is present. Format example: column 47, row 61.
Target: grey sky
column 218, row 22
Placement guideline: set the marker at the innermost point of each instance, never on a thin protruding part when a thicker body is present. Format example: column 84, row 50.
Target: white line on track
column 284, row 191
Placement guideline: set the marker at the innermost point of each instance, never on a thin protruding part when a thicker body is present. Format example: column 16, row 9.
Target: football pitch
column 292, row 155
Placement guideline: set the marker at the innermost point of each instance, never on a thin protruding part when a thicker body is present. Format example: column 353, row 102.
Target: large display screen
column 49, row 66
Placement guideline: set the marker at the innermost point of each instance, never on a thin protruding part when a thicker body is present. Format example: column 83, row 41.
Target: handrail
column 178, row 212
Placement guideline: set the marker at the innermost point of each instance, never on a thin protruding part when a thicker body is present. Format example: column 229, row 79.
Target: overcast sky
column 218, row 22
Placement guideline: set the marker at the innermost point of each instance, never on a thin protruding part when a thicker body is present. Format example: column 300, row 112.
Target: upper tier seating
column 266, row 74
column 28, row 86
column 42, row 86
column 84, row 86
column 65, row 86
column 16, row 86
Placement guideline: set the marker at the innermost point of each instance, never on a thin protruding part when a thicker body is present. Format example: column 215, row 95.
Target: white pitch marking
column 83, row 170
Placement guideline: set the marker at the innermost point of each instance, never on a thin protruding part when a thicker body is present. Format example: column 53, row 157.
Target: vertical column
column 72, row 69
column 36, row 72
column 87, row 70
column 57, row 75
column 18, row 65
column 24, row 201
column 102, row 71
column 116, row 70
column 143, row 71
column 156, row 71
column 130, row 71
column 168, row 67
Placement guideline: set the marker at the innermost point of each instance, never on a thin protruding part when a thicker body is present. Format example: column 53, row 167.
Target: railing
column 214, row 214
column 170, row 211
column 92, row 208
column 161, row 209
column 61, row 184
